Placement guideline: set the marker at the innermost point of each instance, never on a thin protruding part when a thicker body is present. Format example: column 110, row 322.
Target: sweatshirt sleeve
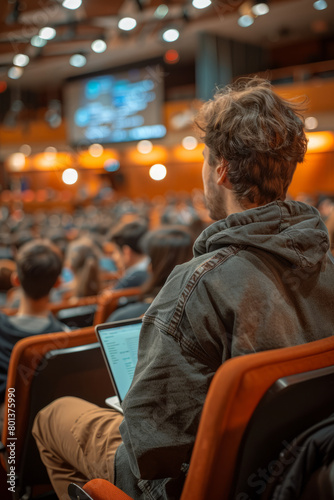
column 163, row 406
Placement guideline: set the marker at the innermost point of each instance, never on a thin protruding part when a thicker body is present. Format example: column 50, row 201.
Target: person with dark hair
column 262, row 278
column 82, row 261
column 38, row 265
column 166, row 247
column 128, row 253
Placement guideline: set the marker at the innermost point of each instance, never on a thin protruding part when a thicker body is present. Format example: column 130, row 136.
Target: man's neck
column 233, row 206
column 31, row 307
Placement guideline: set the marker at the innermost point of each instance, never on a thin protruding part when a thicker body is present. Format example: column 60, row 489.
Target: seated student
column 129, row 255
column 7, row 267
column 261, row 278
column 82, row 262
column 38, row 264
column 167, row 247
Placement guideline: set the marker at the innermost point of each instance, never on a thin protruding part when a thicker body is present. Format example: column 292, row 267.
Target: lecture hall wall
column 183, row 167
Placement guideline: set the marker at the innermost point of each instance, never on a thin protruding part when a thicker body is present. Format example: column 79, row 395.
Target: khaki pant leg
column 77, row 441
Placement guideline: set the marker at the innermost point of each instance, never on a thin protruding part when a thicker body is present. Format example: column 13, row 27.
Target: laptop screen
column 119, row 342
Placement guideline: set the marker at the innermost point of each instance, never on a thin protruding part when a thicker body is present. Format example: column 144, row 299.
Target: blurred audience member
column 7, row 267
column 39, row 265
column 167, row 247
column 82, row 261
column 128, row 253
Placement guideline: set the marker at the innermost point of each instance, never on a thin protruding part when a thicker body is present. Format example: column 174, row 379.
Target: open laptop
column 119, row 343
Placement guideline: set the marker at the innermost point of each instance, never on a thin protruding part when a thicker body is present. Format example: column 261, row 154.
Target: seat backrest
column 109, row 300
column 255, row 405
column 43, row 368
column 55, row 307
column 77, row 317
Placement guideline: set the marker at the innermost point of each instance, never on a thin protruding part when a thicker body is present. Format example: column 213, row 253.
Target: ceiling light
column 14, row 72
column 320, row 5
column 201, row 4
column 72, row 4
column 21, row 60
column 161, row 11
column 170, row 35
column 189, row 142
column 127, row 23
column 245, row 21
column 158, row 172
column 260, row 8
column 47, row 33
column 78, row 60
column 37, row 41
column 144, row 147
column 99, row 46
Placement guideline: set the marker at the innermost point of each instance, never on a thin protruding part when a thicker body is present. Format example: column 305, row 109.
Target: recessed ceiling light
column 37, row 41
column 15, row 73
column 127, row 23
column 161, row 11
column 21, row 60
column 201, row 4
column 170, row 35
column 47, row 33
column 78, row 60
column 320, row 5
column 99, row 46
column 72, row 4
column 245, row 21
column 260, row 9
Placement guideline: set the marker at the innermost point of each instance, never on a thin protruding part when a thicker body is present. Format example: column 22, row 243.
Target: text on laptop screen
column 121, row 348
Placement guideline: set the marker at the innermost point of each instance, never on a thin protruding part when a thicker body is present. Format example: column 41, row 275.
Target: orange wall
column 315, row 175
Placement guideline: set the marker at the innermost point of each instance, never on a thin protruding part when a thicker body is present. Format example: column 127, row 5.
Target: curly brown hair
column 259, row 135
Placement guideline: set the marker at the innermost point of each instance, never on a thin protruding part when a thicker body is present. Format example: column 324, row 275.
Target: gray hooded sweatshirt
column 260, row 279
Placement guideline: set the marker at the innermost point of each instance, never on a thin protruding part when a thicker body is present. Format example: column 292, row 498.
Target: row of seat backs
column 43, row 368
column 87, row 311
column 256, row 405
column 240, row 429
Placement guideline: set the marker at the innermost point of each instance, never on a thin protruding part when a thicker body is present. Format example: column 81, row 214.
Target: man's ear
column 14, row 278
column 222, row 178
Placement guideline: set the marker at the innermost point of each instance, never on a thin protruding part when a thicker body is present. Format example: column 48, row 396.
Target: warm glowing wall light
column 320, row 142
column 70, row 176
column 158, row 172
column 16, row 162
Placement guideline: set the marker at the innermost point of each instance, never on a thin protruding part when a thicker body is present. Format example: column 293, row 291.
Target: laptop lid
column 119, row 343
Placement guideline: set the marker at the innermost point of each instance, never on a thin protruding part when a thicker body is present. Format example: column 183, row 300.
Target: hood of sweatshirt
column 288, row 229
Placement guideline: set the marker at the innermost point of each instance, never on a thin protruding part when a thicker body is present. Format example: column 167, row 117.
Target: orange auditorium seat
column 255, row 404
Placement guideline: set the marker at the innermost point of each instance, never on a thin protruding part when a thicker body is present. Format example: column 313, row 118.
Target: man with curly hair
column 261, row 278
